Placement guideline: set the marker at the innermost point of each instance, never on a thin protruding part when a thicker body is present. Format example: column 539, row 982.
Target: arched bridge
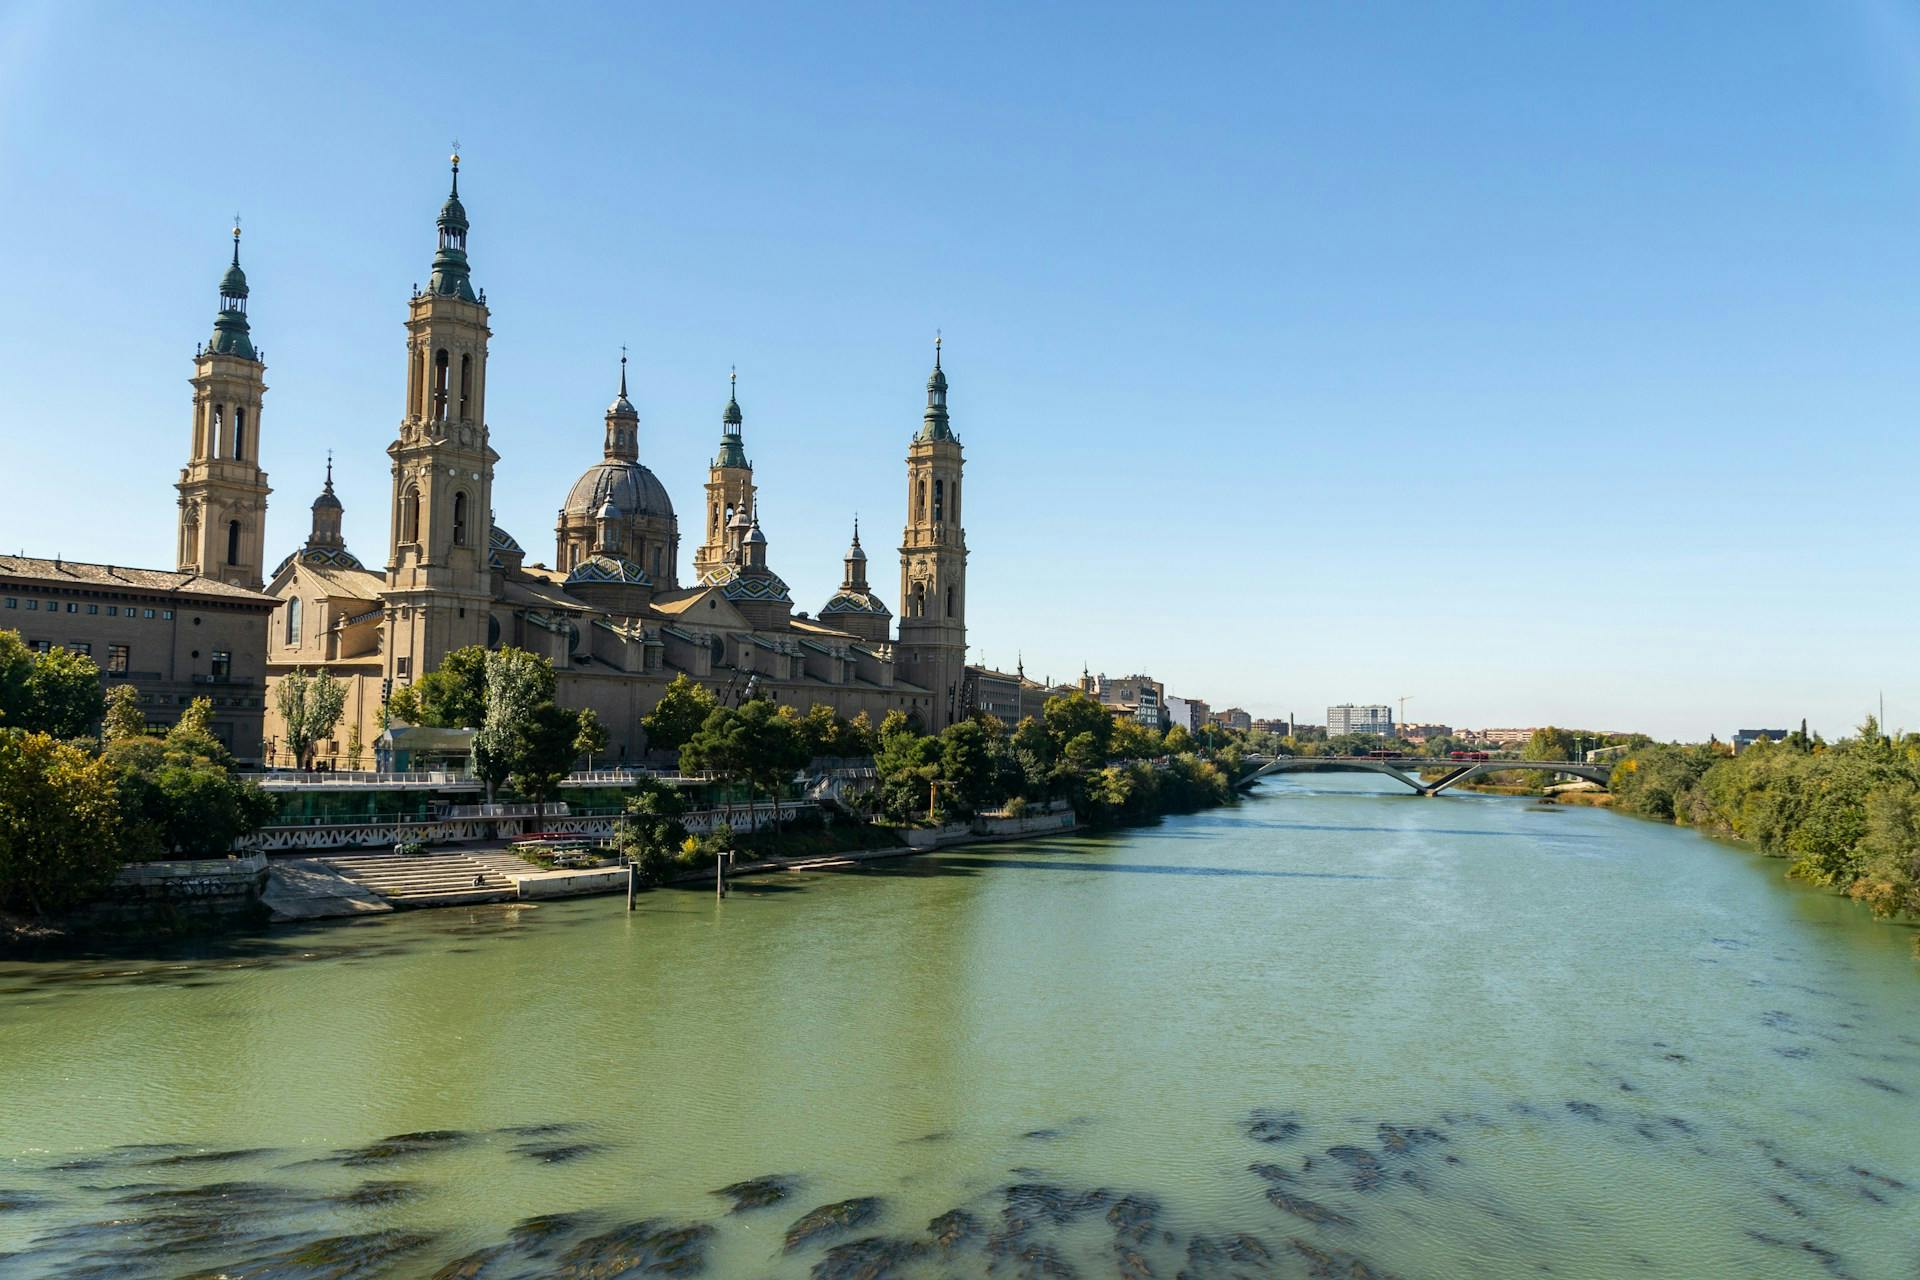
column 1407, row 769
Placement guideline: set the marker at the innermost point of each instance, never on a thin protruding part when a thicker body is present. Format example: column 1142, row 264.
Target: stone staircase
column 427, row 879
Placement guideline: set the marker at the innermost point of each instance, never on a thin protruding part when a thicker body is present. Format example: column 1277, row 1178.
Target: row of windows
column 117, row 654
column 113, row 610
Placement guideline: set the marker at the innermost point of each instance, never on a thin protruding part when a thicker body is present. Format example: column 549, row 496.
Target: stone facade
column 612, row 614
column 173, row 636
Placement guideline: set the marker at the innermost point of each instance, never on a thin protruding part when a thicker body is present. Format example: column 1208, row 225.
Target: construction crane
column 1403, row 707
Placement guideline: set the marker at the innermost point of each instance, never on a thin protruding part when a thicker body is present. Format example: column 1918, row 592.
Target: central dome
column 633, row 490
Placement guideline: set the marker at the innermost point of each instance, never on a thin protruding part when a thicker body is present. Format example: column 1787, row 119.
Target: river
column 1334, row 1029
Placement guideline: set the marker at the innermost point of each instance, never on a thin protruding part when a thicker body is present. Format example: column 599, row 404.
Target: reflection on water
column 1329, row 1032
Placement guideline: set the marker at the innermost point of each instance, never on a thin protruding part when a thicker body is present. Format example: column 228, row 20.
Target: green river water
column 1333, row 1030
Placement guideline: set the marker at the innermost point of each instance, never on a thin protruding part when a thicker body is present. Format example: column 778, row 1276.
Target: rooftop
column 75, row 573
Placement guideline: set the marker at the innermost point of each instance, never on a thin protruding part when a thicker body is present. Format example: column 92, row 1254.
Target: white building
column 1347, row 718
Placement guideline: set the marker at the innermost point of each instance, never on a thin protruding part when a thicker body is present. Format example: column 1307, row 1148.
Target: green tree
column 518, row 683
column 543, row 752
column 969, row 779
column 197, row 718
column 1178, row 741
column 451, row 696
column 651, row 834
column 309, row 707
column 179, row 794
column 56, row 692
column 124, row 717
column 592, row 738
column 681, row 712
column 1068, row 717
column 1131, row 740
column 59, row 824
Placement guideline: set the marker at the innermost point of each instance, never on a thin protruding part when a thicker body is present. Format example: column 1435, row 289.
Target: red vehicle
column 1381, row 755
column 1467, row 755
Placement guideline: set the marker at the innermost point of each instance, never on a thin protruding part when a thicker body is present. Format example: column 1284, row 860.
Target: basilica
column 612, row 614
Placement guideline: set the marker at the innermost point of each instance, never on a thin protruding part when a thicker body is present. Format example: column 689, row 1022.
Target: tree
column 681, row 712
column 65, row 688
column 123, row 717
column 1131, row 740
column 180, row 794
column 451, row 696
column 651, row 834
column 967, row 772
column 56, row 692
column 309, row 707
column 518, row 684
column 59, row 824
column 592, row 737
column 544, row 750
column 1074, row 714
column 1178, row 741
column 355, row 747
column 197, row 718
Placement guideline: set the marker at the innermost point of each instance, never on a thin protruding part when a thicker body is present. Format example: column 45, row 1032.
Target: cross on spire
column 236, row 239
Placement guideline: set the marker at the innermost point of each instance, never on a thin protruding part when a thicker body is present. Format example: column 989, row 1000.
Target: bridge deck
column 1406, row 769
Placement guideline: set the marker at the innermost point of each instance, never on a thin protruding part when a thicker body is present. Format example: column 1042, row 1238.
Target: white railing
column 274, row 778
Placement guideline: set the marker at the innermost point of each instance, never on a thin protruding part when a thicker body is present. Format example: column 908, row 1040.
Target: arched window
column 466, row 386
column 214, row 428
column 939, row 500
column 919, row 502
column 956, row 499
column 919, row 606
column 410, row 515
column 656, row 562
column 714, row 527
column 949, row 602
column 240, row 431
column 233, row 542
column 440, row 385
column 293, row 621
column 459, row 519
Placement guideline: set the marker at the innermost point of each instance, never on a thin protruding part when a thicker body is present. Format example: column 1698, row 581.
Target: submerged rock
column 331, row 1258
column 1586, row 1110
column 1132, row 1218
column 832, row 1220
column 1331, row 1262
column 953, row 1228
column 378, row 1195
column 1307, row 1210
column 1264, row 1124
column 14, row 1201
column 1400, row 1140
column 557, row 1152
column 1367, row 1170
column 874, row 1258
column 206, row 1157
column 756, row 1193
column 1236, row 1257
column 650, row 1248
column 1028, row 1261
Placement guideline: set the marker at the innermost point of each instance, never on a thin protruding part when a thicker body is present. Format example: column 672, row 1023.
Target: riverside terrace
column 366, row 810
column 1407, row 769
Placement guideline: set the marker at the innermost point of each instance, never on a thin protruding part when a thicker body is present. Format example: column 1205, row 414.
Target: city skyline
column 1310, row 412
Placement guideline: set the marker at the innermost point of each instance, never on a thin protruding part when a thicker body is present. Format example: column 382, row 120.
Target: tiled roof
column 74, row 573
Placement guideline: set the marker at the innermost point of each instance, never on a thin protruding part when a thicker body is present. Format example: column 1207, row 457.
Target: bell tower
column 933, row 563
column 223, row 491
column 439, row 589
column 729, row 488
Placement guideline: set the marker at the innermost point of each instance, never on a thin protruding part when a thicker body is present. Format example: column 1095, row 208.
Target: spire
column 230, row 333
column 732, row 452
column 326, row 514
column 450, row 278
column 623, row 422
column 855, row 578
column 934, row 425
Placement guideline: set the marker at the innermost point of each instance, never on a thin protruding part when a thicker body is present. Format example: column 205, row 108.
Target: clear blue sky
column 1543, row 363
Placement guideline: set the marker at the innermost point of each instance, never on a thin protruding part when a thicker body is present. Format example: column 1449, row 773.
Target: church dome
column 631, row 488
column 605, row 568
column 234, row 283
